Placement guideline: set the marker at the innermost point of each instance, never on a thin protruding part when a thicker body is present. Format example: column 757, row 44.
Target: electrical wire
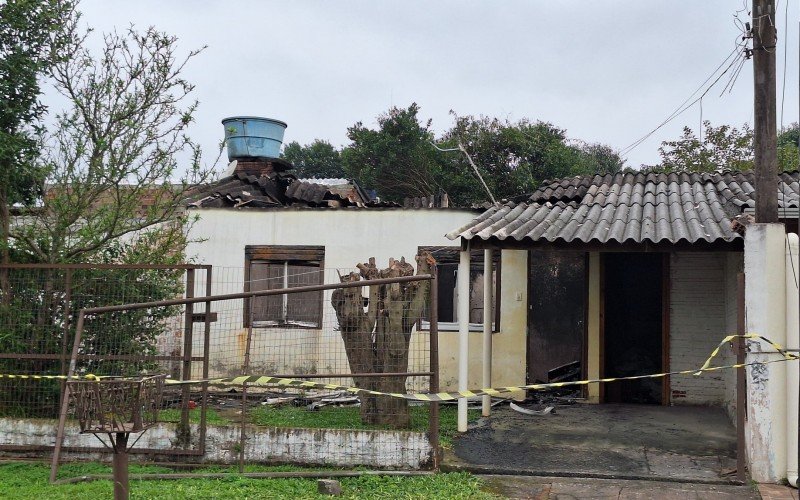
column 738, row 52
column 785, row 53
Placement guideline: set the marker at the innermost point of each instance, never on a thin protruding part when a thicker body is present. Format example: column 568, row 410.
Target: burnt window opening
column 447, row 259
column 277, row 267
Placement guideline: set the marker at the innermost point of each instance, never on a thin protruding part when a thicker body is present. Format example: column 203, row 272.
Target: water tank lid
column 230, row 118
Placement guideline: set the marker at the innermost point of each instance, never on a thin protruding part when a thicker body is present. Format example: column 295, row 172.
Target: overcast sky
column 606, row 72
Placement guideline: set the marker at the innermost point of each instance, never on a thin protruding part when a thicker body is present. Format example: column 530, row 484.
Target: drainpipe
column 462, row 286
column 792, row 342
column 487, row 329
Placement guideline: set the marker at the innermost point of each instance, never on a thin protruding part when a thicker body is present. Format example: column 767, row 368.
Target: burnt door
column 633, row 326
column 556, row 313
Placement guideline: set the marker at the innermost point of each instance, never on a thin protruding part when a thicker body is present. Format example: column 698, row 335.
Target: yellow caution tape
column 494, row 391
column 87, row 376
column 265, row 380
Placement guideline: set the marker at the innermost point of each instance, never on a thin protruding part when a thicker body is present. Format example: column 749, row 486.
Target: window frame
column 286, row 255
column 452, row 255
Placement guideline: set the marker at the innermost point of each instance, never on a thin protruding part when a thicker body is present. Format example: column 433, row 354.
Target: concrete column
column 792, row 342
column 593, row 317
column 488, row 316
column 765, row 304
column 462, row 286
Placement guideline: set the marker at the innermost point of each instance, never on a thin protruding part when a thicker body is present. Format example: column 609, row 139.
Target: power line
column 740, row 54
column 785, row 52
column 738, row 51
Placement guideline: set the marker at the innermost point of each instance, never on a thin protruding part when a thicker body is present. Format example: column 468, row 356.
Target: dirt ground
column 603, row 441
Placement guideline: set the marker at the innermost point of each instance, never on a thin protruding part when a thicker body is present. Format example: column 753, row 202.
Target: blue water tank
column 250, row 136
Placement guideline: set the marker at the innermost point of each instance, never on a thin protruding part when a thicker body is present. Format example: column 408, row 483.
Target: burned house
column 636, row 273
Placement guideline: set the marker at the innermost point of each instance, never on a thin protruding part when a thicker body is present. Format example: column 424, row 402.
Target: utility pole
column 765, row 141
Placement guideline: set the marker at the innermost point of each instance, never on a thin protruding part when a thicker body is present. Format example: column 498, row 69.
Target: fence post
column 433, row 317
column 206, row 348
column 245, row 371
column 186, row 374
column 67, row 317
column 67, row 323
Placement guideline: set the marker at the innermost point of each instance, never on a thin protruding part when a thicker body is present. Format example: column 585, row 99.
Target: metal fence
column 39, row 306
column 352, row 332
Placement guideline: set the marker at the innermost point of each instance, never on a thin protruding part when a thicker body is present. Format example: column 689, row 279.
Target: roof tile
column 630, row 207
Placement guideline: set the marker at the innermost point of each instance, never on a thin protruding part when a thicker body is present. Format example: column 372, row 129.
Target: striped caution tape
column 263, row 380
column 87, row 376
column 495, row 391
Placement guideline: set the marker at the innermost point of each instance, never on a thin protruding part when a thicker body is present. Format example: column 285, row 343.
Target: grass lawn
column 348, row 417
column 173, row 415
column 29, row 481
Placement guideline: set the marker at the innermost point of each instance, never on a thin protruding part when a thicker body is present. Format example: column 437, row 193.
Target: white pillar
column 792, row 342
column 488, row 316
column 765, row 303
column 462, row 286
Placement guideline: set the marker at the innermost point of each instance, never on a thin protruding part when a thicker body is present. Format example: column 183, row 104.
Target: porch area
column 627, row 441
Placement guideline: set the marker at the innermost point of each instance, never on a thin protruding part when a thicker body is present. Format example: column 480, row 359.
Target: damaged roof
column 629, row 207
column 280, row 189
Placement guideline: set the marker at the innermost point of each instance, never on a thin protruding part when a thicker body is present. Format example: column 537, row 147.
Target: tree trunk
column 377, row 339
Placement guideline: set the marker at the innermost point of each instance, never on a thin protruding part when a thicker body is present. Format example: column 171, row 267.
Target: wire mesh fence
column 39, row 305
column 280, row 321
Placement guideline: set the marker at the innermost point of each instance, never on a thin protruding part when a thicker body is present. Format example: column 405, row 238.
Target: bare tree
column 115, row 178
column 377, row 336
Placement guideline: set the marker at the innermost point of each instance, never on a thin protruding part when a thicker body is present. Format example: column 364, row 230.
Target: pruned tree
column 377, row 335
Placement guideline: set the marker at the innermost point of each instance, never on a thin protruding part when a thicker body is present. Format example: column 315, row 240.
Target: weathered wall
column 508, row 345
column 765, row 300
column 334, row 447
column 698, row 321
column 349, row 237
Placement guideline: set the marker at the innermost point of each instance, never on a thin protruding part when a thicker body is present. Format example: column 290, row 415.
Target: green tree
column 397, row 159
column 318, row 160
column 515, row 157
column 115, row 194
column 722, row 148
column 31, row 36
column 787, row 147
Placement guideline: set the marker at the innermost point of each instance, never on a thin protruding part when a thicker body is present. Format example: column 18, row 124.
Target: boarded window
column 277, row 267
column 447, row 273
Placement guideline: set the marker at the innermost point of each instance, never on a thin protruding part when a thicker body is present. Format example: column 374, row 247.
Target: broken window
column 447, row 259
column 276, row 267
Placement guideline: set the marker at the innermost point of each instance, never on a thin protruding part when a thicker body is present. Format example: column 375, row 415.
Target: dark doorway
column 633, row 326
column 556, row 313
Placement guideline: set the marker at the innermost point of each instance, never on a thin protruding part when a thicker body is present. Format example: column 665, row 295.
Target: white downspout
column 462, row 286
column 792, row 342
column 488, row 316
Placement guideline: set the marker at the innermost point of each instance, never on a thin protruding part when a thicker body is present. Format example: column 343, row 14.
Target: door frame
column 666, row 389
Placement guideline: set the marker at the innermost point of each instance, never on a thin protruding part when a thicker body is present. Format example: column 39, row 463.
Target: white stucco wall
column 384, row 449
column 765, row 301
column 349, row 237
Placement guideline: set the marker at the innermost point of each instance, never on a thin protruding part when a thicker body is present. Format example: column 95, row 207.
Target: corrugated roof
column 629, row 208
